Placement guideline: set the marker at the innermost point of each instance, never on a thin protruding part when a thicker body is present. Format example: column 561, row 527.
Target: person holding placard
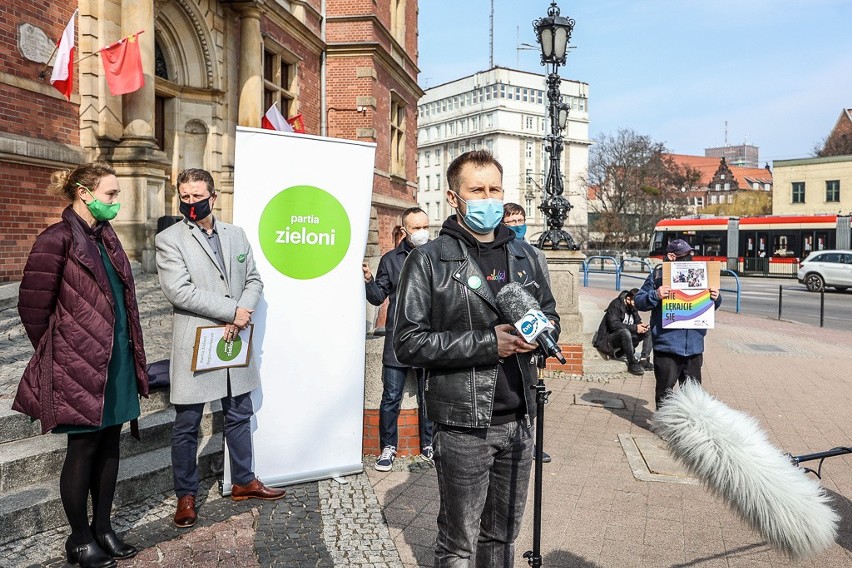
column 207, row 272
column 678, row 352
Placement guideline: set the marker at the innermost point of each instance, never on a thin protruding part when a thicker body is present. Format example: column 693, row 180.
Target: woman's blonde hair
column 63, row 183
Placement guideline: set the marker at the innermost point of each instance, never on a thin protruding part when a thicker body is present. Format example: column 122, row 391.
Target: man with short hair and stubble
column 415, row 226
column 678, row 353
column 207, row 272
column 479, row 372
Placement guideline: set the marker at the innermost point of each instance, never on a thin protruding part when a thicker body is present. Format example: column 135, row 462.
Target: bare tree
column 635, row 183
column 839, row 144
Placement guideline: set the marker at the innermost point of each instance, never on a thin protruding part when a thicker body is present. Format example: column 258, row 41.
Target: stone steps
column 37, row 459
column 30, row 464
column 37, row 508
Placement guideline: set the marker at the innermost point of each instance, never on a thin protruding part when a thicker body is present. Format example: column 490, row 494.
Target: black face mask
column 685, row 258
column 196, row 211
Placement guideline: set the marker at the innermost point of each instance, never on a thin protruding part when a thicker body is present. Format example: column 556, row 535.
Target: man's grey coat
column 203, row 296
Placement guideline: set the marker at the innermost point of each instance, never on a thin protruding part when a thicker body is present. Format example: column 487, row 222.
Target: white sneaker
column 427, row 454
column 385, row 461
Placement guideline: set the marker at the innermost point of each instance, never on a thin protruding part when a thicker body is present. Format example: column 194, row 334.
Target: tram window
column 712, row 245
column 782, row 245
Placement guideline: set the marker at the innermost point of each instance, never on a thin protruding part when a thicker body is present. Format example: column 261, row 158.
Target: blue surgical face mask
column 483, row 215
column 519, row 230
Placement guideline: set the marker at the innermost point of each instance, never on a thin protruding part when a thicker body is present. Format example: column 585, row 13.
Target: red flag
column 63, row 66
column 297, row 123
column 123, row 65
column 274, row 120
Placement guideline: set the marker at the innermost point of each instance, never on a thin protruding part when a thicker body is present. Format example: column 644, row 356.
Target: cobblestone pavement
column 323, row 524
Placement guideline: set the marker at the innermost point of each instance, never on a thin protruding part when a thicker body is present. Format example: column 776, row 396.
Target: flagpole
column 43, row 72
column 93, row 54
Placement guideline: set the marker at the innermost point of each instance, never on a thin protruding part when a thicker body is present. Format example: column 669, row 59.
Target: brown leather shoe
column 185, row 516
column 255, row 490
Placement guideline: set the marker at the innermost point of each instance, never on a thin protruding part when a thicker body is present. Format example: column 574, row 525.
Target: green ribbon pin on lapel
column 241, row 258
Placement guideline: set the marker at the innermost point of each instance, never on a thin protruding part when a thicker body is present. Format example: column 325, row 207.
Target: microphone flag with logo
column 522, row 310
column 727, row 450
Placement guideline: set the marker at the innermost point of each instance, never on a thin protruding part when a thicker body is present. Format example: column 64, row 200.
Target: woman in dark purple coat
column 77, row 302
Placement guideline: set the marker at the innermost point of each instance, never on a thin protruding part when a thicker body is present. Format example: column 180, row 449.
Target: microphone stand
column 541, row 393
column 821, row 456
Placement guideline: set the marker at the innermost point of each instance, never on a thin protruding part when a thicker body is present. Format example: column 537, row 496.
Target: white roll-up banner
column 304, row 202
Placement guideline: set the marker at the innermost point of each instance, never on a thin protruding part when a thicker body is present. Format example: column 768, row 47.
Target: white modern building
column 504, row 111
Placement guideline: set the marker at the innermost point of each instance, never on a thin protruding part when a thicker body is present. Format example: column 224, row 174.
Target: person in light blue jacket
column 678, row 353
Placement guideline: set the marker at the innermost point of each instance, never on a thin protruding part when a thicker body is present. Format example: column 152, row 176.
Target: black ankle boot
column 114, row 546
column 88, row 555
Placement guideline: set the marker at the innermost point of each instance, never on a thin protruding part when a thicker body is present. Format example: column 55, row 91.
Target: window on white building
column 529, row 152
column 397, row 135
column 427, row 155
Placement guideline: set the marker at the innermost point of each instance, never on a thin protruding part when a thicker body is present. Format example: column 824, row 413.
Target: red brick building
column 348, row 67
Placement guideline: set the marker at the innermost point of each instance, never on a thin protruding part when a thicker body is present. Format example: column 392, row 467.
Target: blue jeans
column 393, row 379
column 237, row 411
column 483, row 475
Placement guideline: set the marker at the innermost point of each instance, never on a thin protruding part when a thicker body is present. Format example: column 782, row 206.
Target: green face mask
column 101, row 211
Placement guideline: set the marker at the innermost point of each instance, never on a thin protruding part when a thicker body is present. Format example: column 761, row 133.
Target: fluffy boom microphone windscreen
column 727, row 450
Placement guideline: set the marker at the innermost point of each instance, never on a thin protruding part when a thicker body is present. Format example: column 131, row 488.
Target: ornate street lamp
column 553, row 33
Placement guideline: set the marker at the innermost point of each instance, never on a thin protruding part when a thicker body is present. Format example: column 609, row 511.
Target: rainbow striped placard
column 688, row 309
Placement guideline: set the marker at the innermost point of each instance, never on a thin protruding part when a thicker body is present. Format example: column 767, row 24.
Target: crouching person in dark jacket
column 77, row 302
column 621, row 330
column 478, row 372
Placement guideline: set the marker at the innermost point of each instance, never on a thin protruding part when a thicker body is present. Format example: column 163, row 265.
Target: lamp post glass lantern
column 553, row 33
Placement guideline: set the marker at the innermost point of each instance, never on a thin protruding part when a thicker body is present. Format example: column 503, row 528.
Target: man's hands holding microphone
column 242, row 319
column 508, row 343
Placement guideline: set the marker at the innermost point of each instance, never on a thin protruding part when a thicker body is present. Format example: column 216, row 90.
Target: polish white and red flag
column 63, row 66
column 274, row 120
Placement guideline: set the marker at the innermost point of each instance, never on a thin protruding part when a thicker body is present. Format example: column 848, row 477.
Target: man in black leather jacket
column 478, row 372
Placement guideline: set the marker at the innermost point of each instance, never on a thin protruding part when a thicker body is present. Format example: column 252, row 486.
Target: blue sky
column 779, row 71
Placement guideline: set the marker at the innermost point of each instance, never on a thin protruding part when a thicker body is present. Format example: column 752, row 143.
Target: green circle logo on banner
column 229, row 351
column 304, row 232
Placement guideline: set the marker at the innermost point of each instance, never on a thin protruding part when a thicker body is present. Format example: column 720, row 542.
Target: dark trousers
column 393, row 381
column 237, row 411
column 627, row 342
column 670, row 369
column 483, row 476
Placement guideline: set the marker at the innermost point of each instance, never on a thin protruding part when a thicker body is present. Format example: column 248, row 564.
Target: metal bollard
column 821, row 307
column 780, row 291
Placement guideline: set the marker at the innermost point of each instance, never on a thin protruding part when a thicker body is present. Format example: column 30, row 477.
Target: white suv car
column 826, row 268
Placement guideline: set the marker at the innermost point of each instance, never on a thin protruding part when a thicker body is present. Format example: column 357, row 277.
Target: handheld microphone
column 731, row 455
column 522, row 310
